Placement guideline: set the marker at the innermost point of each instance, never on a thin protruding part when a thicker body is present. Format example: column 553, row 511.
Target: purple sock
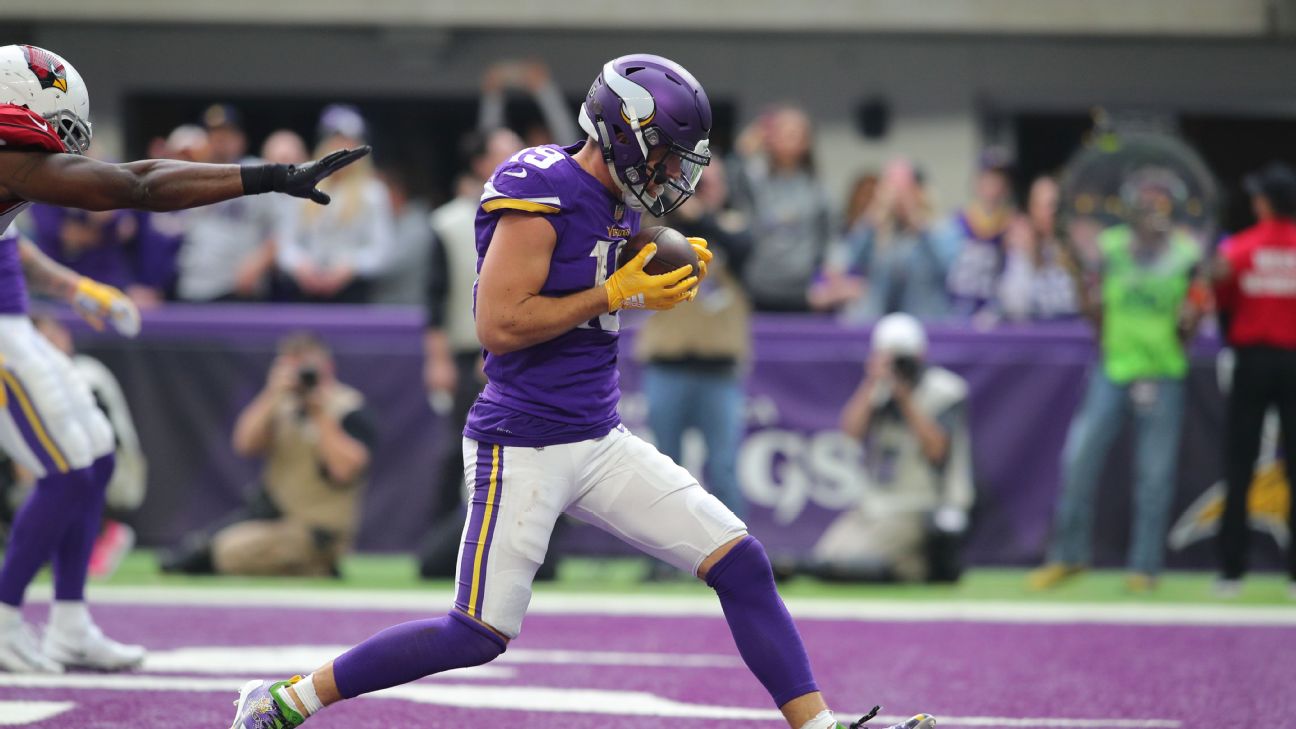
column 767, row 639
column 39, row 528
column 72, row 555
column 410, row 651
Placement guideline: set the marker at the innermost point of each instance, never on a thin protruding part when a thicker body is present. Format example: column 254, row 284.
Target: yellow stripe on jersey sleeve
column 526, row 206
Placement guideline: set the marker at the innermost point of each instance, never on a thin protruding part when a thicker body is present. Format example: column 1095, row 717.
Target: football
column 673, row 250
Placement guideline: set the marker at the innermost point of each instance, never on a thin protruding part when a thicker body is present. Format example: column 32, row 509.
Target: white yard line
column 270, row 660
column 544, row 699
column 18, row 713
column 704, row 606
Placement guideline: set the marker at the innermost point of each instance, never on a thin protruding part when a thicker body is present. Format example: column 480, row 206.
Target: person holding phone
column 315, row 436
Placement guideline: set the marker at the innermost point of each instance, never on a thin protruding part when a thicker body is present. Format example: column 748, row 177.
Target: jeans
column 1157, row 419
column 679, row 398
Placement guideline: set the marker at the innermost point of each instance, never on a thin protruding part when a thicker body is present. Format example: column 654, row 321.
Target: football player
column 50, row 424
column 544, row 438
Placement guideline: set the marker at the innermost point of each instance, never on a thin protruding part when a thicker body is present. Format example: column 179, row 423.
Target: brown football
column 673, row 250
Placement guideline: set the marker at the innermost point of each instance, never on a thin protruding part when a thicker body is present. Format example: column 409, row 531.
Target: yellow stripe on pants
column 481, row 537
column 34, row 420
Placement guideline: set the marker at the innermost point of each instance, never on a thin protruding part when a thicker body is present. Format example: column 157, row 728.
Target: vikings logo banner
column 47, row 67
column 1268, row 500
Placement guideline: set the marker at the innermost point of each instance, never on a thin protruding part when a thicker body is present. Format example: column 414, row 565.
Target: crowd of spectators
column 887, row 253
column 886, row 248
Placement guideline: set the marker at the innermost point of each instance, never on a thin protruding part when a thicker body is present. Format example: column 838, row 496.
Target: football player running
column 49, row 423
column 544, row 438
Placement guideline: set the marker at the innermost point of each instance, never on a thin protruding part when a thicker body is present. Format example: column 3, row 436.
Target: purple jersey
column 13, row 287
column 563, row 390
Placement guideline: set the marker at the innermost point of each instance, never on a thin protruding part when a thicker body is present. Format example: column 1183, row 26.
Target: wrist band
column 258, row 179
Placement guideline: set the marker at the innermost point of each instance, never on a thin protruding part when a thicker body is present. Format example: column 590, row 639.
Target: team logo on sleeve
column 48, row 68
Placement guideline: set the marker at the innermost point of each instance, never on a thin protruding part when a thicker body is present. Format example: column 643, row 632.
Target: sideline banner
column 195, row 367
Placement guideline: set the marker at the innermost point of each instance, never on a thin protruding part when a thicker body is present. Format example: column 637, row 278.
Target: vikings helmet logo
column 1268, row 500
column 48, row 68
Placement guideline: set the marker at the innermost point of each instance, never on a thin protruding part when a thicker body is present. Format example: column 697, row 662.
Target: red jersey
column 1262, row 284
column 23, row 130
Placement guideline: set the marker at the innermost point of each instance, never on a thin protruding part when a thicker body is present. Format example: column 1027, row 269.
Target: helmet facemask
column 73, row 131
column 674, row 175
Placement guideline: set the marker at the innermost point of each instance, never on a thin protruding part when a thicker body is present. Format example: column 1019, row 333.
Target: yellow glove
column 96, row 302
column 704, row 255
column 631, row 288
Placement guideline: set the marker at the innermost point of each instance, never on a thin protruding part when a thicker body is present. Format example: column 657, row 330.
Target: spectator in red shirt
column 1255, row 271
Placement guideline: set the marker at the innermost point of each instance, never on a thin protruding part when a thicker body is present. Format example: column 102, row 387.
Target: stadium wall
column 943, row 90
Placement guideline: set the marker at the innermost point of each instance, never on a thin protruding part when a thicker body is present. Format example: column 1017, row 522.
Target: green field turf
column 395, row 572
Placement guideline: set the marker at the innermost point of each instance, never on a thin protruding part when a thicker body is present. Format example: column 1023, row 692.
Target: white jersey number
column 539, row 157
column 605, row 255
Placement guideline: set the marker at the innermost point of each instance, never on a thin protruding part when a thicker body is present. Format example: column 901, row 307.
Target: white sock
column 9, row 616
column 822, row 720
column 308, row 701
column 69, row 616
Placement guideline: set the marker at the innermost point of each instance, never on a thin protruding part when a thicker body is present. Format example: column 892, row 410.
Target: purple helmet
column 637, row 104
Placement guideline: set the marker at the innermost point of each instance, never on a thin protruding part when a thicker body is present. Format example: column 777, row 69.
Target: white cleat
column 919, row 721
column 90, row 648
column 21, row 653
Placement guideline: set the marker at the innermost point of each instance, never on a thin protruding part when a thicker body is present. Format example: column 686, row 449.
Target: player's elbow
column 497, row 338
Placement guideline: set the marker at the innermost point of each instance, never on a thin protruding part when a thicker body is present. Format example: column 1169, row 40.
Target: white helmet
column 41, row 81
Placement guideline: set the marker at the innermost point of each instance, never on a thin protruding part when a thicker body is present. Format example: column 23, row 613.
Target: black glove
column 298, row 180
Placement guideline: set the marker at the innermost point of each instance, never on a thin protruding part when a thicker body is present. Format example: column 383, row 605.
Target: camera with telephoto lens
column 906, row 368
column 307, row 378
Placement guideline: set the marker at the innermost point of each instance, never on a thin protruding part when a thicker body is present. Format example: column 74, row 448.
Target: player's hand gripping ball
column 656, row 269
column 673, row 250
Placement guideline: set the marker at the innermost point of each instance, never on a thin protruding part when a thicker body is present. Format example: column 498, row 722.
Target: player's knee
column 745, row 564
column 481, row 643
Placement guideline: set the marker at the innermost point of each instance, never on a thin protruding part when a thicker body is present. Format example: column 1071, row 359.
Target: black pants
column 437, row 554
column 1264, row 377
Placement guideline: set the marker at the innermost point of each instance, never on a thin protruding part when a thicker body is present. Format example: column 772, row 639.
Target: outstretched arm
column 94, row 301
column 44, row 275
column 160, row 185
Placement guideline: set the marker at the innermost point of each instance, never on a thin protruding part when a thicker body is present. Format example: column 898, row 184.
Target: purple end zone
column 1199, row 676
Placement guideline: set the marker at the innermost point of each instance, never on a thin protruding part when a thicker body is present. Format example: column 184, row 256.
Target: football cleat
column 257, row 707
column 90, row 648
column 21, row 653
column 917, row 721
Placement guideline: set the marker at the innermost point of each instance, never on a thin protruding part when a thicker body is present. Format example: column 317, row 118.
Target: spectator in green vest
column 1140, row 303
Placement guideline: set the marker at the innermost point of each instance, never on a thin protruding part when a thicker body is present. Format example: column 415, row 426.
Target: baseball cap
column 995, row 159
column 1276, row 182
column 342, row 119
column 901, row 335
column 222, row 115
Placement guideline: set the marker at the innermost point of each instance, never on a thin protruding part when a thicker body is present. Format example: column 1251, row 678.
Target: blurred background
column 873, row 158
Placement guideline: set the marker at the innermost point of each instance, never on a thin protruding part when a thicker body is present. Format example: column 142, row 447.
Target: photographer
column 315, row 436
column 912, row 419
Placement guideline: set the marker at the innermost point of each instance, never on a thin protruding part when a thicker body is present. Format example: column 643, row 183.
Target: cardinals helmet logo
column 48, row 68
